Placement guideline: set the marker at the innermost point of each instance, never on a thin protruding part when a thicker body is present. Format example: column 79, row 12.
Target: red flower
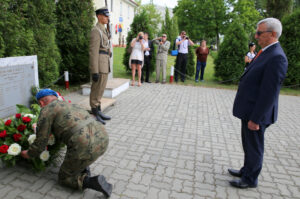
column 18, row 115
column 3, row 134
column 7, row 123
column 17, row 137
column 4, row 148
column 21, row 127
column 26, row 119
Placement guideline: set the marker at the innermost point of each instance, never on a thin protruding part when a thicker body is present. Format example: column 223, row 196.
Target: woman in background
column 250, row 55
column 137, row 57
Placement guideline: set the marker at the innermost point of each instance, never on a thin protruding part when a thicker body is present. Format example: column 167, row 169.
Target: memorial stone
column 17, row 76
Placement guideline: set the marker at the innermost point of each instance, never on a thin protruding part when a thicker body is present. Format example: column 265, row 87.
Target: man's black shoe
column 148, row 82
column 104, row 117
column 240, row 184
column 98, row 118
column 98, row 183
column 236, row 173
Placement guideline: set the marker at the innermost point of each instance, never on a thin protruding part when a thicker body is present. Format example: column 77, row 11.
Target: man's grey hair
column 272, row 24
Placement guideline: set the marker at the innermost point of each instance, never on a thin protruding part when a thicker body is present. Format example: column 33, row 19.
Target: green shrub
column 229, row 64
column 290, row 41
column 74, row 22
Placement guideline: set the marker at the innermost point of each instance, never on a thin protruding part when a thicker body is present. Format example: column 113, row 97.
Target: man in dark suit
column 256, row 101
column 147, row 58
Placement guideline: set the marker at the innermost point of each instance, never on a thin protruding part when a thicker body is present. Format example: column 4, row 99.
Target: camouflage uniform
column 86, row 139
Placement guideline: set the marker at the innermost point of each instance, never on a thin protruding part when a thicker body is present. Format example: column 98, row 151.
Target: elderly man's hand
column 24, row 154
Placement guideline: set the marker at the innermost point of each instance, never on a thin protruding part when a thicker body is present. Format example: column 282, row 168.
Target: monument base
column 113, row 88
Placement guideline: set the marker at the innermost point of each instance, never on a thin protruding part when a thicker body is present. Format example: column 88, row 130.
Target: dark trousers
column 200, row 67
column 253, row 145
column 146, row 68
column 180, row 66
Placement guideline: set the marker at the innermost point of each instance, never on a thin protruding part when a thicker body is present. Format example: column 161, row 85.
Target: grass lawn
column 209, row 79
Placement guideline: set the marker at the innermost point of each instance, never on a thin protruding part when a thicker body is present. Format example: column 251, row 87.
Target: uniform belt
column 103, row 52
column 81, row 125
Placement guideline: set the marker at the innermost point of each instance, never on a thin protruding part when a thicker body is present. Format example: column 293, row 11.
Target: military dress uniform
column 99, row 62
column 85, row 138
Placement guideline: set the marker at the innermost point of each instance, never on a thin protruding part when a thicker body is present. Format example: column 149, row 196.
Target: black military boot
column 87, row 171
column 95, row 112
column 98, row 183
column 104, row 117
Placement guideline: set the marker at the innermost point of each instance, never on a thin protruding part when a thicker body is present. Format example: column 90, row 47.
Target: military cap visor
column 102, row 11
column 45, row 92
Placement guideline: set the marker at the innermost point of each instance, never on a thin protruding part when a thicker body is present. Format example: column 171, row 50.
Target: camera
column 160, row 40
column 140, row 37
column 186, row 38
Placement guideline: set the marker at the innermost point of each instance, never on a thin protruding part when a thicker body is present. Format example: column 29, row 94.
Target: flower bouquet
column 18, row 133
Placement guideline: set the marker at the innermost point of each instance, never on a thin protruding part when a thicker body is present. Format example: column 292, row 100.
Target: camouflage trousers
column 83, row 148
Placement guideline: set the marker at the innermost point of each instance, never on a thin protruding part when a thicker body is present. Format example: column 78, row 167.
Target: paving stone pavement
column 177, row 142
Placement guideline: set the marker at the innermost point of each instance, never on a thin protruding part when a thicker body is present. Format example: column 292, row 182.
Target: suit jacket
column 258, row 91
column 162, row 51
column 99, row 63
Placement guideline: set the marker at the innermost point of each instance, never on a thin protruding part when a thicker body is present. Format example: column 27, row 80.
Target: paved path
column 170, row 141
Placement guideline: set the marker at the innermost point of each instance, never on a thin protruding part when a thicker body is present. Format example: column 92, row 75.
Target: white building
column 122, row 13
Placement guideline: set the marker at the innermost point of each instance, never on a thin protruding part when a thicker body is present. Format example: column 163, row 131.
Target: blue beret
column 45, row 92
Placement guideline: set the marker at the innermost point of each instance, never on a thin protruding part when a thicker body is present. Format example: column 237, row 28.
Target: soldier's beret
column 102, row 11
column 44, row 93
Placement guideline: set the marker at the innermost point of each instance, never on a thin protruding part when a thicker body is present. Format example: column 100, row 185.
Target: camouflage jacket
column 57, row 118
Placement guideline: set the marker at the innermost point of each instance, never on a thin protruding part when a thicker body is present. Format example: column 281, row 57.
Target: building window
column 121, row 8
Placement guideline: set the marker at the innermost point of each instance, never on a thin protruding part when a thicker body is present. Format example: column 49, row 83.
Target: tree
column 17, row 39
column 75, row 20
column 153, row 16
column 42, row 20
column 246, row 14
column 141, row 23
column 290, row 41
column 279, row 8
column 170, row 28
column 229, row 64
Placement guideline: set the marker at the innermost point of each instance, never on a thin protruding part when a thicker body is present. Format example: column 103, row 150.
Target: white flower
column 51, row 140
column 14, row 149
column 44, row 156
column 31, row 138
column 34, row 127
column 29, row 115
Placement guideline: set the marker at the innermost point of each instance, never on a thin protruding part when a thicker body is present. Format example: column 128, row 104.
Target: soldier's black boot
column 87, row 171
column 104, row 117
column 95, row 112
column 98, row 183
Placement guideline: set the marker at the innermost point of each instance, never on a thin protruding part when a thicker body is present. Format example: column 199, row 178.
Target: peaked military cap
column 102, row 11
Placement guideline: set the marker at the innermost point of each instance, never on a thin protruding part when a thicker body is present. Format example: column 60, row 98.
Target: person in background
column 136, row 59
column 183, row 43
column 147, row 58
column 85, row 138
column 161, row 57
column 251, row 54
column 202, row 52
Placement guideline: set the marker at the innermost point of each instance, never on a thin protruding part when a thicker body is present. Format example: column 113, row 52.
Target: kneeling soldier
column 86, row 140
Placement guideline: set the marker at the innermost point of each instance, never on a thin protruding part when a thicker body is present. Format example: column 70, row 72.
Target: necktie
column 257, row 54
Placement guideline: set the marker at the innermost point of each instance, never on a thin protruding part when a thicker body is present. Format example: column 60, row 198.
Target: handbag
column 174, row 52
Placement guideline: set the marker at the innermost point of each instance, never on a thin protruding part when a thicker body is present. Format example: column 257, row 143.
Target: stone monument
column 17, row 76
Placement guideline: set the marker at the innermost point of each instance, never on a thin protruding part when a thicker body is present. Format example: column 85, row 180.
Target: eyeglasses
column 261, row 32
column 163, row 36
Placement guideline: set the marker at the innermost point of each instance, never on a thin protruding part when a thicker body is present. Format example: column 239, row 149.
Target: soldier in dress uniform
column 85, row 138
column 100, row 53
